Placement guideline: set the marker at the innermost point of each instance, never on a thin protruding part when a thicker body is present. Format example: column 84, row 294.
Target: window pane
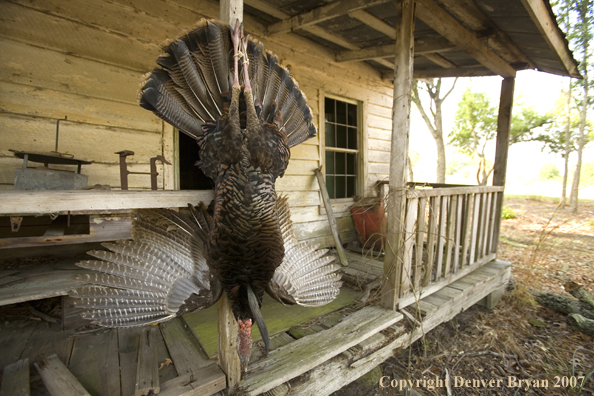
column 341, row 136
column 352, row 114
column 350, row 191
column 340, row 163
column 352, row 132
column 341, row 112
column 329, row 163
column 330, row 186
column 351, row 164
column 340, row 187
column 330, row 138
column 329, row 109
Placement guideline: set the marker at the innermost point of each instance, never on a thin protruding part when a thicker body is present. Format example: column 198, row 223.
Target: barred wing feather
column 307, row 276
column 160, row 274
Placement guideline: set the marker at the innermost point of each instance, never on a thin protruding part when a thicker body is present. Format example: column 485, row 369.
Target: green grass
column 507, row 213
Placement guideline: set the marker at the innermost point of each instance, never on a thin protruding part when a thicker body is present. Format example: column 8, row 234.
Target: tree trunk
column 567, row 148
column 441, row 159
column 564, row 304
column 575, row 185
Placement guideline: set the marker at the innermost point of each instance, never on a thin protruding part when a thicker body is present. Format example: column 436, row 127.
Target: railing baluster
column 457, row 231
column 411, row 217
column 441, row 236
column 485, row 244
column 466, row 228
column 433, row 211
column 421, row 232
column 475, row 227
column 450, row 238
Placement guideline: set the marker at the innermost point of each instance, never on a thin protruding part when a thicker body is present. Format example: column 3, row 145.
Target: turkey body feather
column 246, row 245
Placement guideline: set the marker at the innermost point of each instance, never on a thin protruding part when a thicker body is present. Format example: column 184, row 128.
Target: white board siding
column 55, row 70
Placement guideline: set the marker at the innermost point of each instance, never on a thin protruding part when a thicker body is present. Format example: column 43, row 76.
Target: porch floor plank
column 306, row 353
column 15, row 379
column 95, row 362
column 278, row 318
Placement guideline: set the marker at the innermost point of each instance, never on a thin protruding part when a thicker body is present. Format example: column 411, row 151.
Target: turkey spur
column 246, row 245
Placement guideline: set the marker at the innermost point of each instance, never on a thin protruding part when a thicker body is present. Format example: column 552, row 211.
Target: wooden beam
column 447, row 26
column 548, row 27
column 230, row 11
column 440, row 60
column 506, row 101
column 331, row 218
column 374, row 22
column 227, row 324
column 58, row 379
column 473, row 71
column 321, row 14
column 15, row 202
column 403, row 75
column 422, row 47
column 147, row 367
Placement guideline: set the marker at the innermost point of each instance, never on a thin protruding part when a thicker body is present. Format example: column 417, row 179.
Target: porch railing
column 449, row 232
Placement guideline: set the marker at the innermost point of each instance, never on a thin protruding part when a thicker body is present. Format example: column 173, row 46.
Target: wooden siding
column 86, row 61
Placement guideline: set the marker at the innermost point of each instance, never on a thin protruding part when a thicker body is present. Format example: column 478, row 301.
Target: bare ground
column 518, row 340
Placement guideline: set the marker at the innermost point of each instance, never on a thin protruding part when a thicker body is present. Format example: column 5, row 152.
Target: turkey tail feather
column 162, row 273
column 307, row 276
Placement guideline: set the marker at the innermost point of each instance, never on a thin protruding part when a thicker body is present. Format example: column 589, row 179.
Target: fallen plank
column 206, row 381
column 15, row 379
column 58, row 379
column 306, row 353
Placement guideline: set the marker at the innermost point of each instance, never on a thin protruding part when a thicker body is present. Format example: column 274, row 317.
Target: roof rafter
column 320, row 14
column 374, row 22
column 548, row 26
column 422, row 46
column 471, row 71
column 447, row 26
column 471, row 15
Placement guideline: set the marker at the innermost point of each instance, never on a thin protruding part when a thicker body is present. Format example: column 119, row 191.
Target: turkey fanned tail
column 161, row 274
column 307, row 276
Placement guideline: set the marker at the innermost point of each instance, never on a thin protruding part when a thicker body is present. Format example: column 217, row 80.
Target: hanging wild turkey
column 178, row 263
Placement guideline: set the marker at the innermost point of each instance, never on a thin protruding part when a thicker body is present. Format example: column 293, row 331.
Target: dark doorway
column 190, row 176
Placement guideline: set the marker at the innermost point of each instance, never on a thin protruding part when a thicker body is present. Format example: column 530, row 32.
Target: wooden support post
column 403, row 74
column 230, row 11
column 506, row 101
column 331, row 219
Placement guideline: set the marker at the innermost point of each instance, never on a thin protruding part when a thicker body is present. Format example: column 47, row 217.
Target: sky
column 537, row 89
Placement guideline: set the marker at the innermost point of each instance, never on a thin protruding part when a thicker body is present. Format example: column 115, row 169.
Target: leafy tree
column 577, row 20
column 434, row 123
column 476, row 124
column 549, row 172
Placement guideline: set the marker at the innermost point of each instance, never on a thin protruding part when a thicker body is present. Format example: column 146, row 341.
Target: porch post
column 506, row 101
column 230, row 11
column 403, row 74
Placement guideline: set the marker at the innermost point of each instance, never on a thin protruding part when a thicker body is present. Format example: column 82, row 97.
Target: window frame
column 360, row 151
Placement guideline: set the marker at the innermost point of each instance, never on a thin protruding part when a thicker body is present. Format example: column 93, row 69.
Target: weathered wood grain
column 34, row 202
column 15, row 379
column 331, row 218
column 297, row 357
column 57, row 378
column 147, row 369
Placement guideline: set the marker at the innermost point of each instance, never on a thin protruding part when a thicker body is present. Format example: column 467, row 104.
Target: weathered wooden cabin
column 81, row 63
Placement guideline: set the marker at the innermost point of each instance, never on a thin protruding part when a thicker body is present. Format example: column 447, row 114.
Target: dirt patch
column 518, row 340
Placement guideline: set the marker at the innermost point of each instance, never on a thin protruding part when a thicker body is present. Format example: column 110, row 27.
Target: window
column 342, row 147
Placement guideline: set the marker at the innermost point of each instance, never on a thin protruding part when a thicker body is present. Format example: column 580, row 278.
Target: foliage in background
column 475, row 125
column 507, row 213
column 549, row 172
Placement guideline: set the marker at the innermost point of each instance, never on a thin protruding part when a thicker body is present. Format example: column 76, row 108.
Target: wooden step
column 308, row 352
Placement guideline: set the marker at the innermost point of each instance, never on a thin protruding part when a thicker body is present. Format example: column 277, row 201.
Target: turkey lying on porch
column 246, row 245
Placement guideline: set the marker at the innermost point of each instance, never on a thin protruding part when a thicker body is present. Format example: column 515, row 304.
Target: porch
column 450, row 266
